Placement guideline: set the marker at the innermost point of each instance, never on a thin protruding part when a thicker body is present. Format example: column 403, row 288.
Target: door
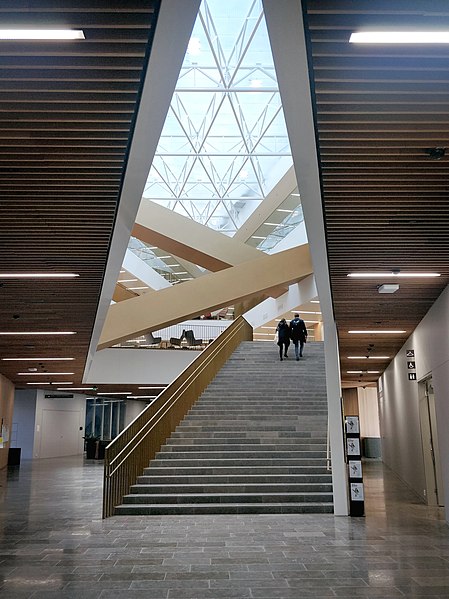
column 429, row 439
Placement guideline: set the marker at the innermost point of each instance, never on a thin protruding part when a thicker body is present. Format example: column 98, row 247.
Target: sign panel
column 412, row 376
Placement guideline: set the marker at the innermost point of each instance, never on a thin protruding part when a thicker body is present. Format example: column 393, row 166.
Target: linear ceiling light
column 114, row 393
column 383, row 275
column 368, row 357
column 377, row 332
column 400, row 37
column 74, row 388
column 141, row 397
column 41, row 34
column 354, row 372
column 34, row 359
column 44, row 373
column 40, row 383
column 37, row 332
column 38, row 275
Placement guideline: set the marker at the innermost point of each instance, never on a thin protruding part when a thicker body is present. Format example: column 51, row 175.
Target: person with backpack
column 298, row 334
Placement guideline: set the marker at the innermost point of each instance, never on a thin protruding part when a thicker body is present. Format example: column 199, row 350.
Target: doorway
column 429, row 440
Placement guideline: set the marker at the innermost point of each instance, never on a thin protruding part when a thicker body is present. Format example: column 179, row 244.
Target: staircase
column 254, row 442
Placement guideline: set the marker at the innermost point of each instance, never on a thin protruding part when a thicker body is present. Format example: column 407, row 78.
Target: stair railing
column 129, row 453
column 328, row 446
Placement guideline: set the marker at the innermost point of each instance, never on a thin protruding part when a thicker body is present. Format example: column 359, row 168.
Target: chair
column 152, row 340
column 191, row 341
column 177, row 342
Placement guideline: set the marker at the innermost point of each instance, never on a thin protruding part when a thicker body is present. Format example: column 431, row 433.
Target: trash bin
column 14, row 456
column 371, row 447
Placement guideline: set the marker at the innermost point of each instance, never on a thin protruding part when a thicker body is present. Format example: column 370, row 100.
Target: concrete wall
column 398, row 399
column 6, row 411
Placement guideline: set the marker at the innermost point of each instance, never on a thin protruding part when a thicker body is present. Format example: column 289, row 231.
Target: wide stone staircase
column 254, row 442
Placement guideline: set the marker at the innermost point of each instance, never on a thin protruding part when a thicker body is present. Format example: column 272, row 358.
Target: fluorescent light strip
column 378, row 332
column 400, row 37
column 40, row 383
column 41, row 34
column 164, row 257
column 392, row 275
column 37, row 333
column 368, row 357
column 258, row 237
column 135, row 288
column 314, row 301
column 76, row 388
column 63, row 383
column 274, row 224
column 284, row 210
column 354, row 372
column 127, row 280
column 153, row 387
column 141, row 396
column 34, row 359
column 373, row 371
column 114, row 393
column 38, row 275
column 44, row 373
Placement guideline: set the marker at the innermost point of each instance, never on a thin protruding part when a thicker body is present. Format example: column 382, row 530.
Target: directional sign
column 411, row 365
column 410, row 353
column 412, row 376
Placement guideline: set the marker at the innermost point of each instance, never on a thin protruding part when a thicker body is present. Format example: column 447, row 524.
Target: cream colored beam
column 157, row 310
column 188, row 239
column 121, row 293
column 274, row 199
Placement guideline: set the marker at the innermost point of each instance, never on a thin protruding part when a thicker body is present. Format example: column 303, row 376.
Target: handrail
column 328, row 446
column 129, row 453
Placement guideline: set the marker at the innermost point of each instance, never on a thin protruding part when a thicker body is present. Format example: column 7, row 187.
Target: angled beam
column 157, row 310
column 188, row 239
column 142, row 271
column 274, row 199
column 121, row 293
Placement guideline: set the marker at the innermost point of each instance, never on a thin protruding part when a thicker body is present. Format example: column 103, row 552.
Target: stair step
column 224, row 508
column 229, row 488
column 235, row 479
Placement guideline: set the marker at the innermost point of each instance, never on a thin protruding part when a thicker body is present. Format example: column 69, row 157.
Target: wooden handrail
column 129, row 453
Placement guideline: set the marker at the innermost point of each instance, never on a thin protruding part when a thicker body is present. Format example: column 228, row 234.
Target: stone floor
column 53, row 543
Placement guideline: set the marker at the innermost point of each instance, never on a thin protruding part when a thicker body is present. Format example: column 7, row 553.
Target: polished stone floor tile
column 54, row 544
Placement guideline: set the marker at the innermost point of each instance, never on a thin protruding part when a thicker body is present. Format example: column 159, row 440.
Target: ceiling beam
column 160, row 309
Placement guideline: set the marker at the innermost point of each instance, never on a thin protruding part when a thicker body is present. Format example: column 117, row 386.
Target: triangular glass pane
column 195, row 112
column 255, row 111
column 199, row 76
column 258, row 54
column 275, row 138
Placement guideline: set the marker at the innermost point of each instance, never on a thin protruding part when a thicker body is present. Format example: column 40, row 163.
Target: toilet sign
column 412, row 376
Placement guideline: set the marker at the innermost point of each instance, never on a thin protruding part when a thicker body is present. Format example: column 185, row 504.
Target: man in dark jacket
column 298, row 334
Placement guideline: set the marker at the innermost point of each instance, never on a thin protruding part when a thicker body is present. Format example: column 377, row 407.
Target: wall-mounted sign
column 352, row 424
column 411, row 365
column 353, row 446
column 355, row 469
column 412, row 376
column 410, row 353
column 357, row 492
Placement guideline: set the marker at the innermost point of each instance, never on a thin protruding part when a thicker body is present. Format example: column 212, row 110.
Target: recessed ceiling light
column 383, row 275
column 377, row 332
column 258, row 237
column 368, row 357
column 354, row 371
column 114, row 393
column 38, row 275
column 34, row 359
column 44, row 373
column 41, row 34
column 141, row 396
column 40, row 383
column 400, row 37
column 273, row 224
column 135, row 288
column 37, row 333
column 127, row 280
column 314, row 301
column 284, row 210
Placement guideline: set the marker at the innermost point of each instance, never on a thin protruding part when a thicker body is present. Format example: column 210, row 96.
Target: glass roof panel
column 224, row 145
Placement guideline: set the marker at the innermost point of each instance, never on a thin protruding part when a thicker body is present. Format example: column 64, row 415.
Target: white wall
column 59, row 426
column 398, row 399
column 368, row 411
column 133, row 409
column 139, row 366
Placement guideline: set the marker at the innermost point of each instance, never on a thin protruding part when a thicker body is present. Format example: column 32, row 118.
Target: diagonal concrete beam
column 157, row 310
column 121, row 293
column 188, row 239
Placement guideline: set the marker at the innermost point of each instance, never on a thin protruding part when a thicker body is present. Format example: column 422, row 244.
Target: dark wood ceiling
column 378, row 109
column 66, row 116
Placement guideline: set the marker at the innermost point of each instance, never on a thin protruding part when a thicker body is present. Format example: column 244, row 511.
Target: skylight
column 224, row 145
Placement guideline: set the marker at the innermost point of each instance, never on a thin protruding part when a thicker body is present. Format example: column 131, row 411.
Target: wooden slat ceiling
column 378, row 108
column 66, row 116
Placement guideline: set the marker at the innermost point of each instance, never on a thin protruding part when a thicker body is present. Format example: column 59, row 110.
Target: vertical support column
column 285, row 26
